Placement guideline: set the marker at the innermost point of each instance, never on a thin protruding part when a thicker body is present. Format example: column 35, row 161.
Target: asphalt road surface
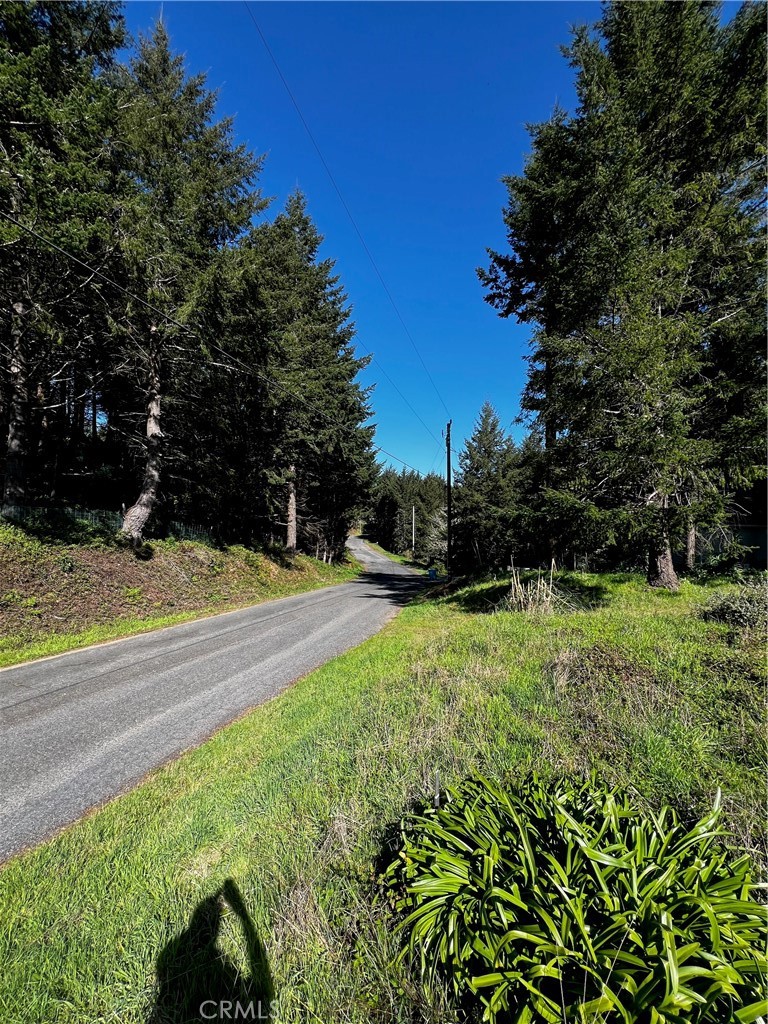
column 79, row 728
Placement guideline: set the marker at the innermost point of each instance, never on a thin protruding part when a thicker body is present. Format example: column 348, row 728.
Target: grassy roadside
column 61, row 593
column 108, row 921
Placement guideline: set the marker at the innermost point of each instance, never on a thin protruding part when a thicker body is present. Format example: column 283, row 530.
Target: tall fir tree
column 57, row 117
column 485, row 500
column 324, row 449
column 632, row 236
column 193, row 195
column 288, row 456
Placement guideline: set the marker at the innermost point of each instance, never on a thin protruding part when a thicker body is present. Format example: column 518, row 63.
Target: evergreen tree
column 632, row 236
column 192, row 196
column 224, row 375
column 382, row 521
column 288, row 456
column 400, row 500
column 323, row 452
column 485, row 496
column 57, row 144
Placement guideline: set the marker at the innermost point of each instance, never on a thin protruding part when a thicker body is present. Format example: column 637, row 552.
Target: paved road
column 77, row 729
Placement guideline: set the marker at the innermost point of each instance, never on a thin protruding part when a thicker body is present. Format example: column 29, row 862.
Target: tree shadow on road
column 197, row 982
column 398, row 589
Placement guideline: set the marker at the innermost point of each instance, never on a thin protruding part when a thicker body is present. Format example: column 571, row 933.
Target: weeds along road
column 79, row 728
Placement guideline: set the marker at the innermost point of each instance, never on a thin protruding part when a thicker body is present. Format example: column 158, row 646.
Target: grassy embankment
column 78, row 586
column 117, row 918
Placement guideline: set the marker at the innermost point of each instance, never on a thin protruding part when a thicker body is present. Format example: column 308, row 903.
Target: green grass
column 61, row 592
column 292, row 803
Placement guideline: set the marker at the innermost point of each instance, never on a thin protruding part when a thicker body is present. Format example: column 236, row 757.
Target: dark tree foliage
column 485, row 534
column 635, row 240
column 56, row 175
column 398, row 501
column 223, row 388
column 191, row 195
column 273, row 310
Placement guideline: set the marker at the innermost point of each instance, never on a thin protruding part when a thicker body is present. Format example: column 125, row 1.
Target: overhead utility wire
column 177, row 323
column 364, row 244
column 434, row 458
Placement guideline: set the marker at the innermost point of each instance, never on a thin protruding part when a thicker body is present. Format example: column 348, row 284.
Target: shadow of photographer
column 197, row 982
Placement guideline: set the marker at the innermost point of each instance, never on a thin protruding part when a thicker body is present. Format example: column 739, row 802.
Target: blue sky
column 418, row 109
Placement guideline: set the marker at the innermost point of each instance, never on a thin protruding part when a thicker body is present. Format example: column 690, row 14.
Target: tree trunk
column 94, row 417
column 137, row 516
column 690, row 548
column 290, row 539
column 77, row 426
column 661, row 571
column 15, row 490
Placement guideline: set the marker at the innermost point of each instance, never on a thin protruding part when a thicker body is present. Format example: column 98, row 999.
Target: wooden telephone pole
column 448, row 545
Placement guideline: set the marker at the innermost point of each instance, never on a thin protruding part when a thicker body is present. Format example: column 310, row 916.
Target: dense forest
column 171, row 347
column 407, row 513
column 166, row 346
column 636, row 252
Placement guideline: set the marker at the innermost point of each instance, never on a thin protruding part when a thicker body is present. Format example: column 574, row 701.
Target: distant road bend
column 78, row 729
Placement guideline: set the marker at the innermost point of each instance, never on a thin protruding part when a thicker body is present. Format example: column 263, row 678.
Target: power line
column 434, row 457
column 347, row 210
column 177, row 323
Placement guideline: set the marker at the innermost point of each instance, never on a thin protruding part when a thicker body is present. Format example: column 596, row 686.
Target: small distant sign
column 432, row 574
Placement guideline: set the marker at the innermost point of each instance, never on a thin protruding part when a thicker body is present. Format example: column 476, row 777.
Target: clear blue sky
column 419, row 109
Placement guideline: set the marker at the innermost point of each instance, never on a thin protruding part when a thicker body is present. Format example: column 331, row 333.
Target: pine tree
column 632, row 243
column 287, row 457
column 485, row 496
column 400, row 499
column 324, row 447
column 56, row 139
column 192, row 196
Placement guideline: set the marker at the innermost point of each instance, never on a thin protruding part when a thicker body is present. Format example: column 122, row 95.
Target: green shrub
column 67, row 563
column 12, row 536
column 568, row 903
column 744, row 608
column 253, row 560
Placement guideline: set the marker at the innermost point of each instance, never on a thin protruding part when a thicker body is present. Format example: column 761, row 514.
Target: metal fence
column 98, row 517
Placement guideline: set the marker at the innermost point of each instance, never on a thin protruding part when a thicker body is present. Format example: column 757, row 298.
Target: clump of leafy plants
column 745, row 608
column 572, row 903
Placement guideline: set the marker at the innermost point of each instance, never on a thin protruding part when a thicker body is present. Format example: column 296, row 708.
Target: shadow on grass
column 197, row 982
column 592, row 594
column 575, row 593
column 51, row 526
column 478, row 600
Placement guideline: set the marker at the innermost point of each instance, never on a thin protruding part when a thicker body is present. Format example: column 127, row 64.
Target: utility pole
column 413, row 531
column 448, row 546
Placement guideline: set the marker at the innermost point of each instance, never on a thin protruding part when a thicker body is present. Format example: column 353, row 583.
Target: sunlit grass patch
column 293, row 802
